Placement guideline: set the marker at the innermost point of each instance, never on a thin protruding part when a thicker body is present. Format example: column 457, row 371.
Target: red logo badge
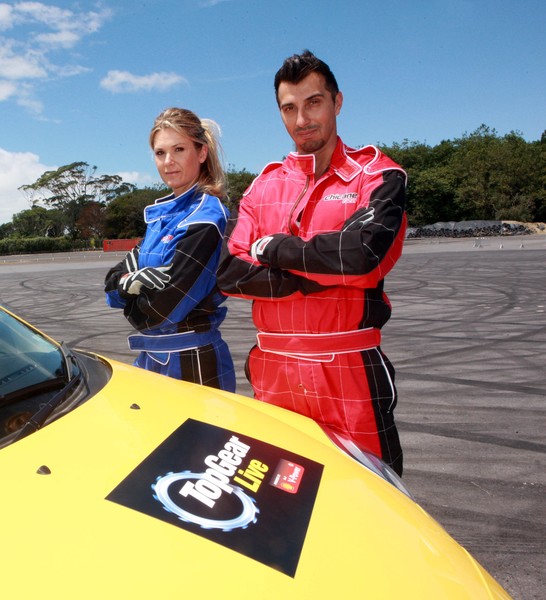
column 287, row 476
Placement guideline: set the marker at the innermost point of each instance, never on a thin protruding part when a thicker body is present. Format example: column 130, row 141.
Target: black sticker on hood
column 237, row 491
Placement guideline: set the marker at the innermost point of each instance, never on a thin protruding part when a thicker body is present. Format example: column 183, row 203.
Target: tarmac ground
column 468, row 341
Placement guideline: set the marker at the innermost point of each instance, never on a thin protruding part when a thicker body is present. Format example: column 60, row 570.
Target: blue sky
column 83, row 80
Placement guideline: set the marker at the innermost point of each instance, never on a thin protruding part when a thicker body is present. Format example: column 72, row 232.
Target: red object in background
column 119, row 245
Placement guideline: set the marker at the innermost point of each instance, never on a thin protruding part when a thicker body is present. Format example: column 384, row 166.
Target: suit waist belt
column 174, row 342
column 319, row 346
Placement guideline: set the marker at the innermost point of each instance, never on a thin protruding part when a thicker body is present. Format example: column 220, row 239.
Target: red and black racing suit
column 317, row 289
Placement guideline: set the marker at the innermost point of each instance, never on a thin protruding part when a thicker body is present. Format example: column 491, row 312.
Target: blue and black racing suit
column 178, row 326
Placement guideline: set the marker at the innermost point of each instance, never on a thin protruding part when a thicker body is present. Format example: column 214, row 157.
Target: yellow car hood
column 85, row 507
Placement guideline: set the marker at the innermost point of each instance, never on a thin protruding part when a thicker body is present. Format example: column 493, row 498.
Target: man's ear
column 338, row 102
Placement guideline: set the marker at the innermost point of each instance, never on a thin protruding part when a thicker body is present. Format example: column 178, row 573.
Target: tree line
column 71, row 202
column 479, row 176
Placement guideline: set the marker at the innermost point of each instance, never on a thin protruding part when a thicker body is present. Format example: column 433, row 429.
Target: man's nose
column 302, row 118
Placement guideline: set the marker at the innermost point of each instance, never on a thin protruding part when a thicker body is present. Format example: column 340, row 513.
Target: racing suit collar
column 304, row 163
column 344, row 166
column 341, row 164
column 167, row 205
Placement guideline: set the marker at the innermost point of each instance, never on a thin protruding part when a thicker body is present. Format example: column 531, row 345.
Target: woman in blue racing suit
column 166, row 285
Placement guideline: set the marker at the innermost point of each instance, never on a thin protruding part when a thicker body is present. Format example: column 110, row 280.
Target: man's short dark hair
column 297, row 67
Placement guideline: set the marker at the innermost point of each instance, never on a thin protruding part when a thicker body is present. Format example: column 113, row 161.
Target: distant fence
column 120, row 245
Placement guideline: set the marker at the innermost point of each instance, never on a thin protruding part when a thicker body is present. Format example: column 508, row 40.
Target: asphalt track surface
column 468, row 341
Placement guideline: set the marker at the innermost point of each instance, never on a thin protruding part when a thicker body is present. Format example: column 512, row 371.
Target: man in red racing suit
column 310, row 244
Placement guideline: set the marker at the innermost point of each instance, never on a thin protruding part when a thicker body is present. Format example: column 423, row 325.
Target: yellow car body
column 155, row 488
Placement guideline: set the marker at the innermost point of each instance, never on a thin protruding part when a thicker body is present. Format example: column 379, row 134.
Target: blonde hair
column 202, row 132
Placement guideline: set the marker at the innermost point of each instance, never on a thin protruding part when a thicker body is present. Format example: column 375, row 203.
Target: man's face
column 309, row 113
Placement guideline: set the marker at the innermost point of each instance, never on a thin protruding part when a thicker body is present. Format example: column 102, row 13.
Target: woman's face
column 177, row 159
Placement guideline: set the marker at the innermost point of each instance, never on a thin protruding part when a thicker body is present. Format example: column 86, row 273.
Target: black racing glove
column 150, row 277
column 131, row 260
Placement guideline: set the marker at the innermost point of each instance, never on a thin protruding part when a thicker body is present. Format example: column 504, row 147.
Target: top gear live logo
column 208, row 487
column 240, row 492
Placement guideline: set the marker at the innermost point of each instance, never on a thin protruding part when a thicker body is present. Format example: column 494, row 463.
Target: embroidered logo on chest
column 347, row 198
column 167, row 238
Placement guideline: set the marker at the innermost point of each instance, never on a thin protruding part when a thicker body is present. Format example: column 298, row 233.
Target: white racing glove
column 150, row 277
column 258, row 247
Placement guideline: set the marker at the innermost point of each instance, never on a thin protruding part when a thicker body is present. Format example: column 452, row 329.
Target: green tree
column 539, row 158
column 496, row 178
column 430, row 193
column 70, row 187
column 431, row 196
column 91, row 221
column 478, row 176
column 6, row 230
column 37, row 222
column 124, row 216
column 237, row 183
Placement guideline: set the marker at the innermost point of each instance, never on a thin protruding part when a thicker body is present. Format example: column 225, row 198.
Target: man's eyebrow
column 285, row 104
column 315, row 95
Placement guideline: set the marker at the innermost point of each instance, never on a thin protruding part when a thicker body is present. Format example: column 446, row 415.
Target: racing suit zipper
column 296, row 206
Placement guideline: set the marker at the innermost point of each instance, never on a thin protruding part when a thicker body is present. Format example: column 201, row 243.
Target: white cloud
column 22, row 93
column 21, row 66
column 26, row 100
column 17, row 169
column 7, row 89
column 64, row 39
column 137, row 178
column 6, row 16
column 119, row 82
column 207, row 3
column 67, row 27
column 32, row 31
